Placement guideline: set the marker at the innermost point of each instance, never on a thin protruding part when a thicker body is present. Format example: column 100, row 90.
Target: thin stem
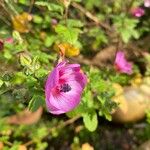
column 130, row 5
column 31, row 6
column 70, row 121
column 90, row 16
column 28, row 143
column 66, row 15
column 8, row 143
column 10, row 5
column 4, row 20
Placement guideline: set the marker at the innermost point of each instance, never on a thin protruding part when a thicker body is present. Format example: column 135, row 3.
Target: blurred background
column 114, row 110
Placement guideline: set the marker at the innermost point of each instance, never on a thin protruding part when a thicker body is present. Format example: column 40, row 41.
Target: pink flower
column 147, row 3
column 137, row 12
column 121, row 63
column 9, row 40
column 2, row 42
column 64, row 87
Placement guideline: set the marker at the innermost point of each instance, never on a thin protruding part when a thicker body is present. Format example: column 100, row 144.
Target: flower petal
column 51, row 82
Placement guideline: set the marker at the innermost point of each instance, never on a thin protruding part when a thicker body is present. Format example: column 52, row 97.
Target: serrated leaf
column 87, row 98
column 51, row 6
column 73, row 23
column 17, row 36
column 25, row 59
column 69, row 35
column 49, row 40
column 36, row 102
column 90, row 121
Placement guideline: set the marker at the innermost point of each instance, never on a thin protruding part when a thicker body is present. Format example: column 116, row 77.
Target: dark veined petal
column 51, row 82
column 64, row 87
column 66, row 101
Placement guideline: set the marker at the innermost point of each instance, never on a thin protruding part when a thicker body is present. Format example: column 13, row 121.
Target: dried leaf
column 136, row 102
column 25, row 117
column 21, row 22
column 87, row 146
column 144, row 146
column 67, row 49
column 22, row 147
column 104, row 57
column 137, row 80
column 1, row 145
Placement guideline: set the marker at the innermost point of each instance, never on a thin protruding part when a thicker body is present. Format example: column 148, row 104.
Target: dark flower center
column 65, row 88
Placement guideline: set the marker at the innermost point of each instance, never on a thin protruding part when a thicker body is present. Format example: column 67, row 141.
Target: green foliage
column 36, row 102
column 126, row 27
column 26, row 62
column 96, row 98
column 90, row 121
column 51, row 6
column 67, row 34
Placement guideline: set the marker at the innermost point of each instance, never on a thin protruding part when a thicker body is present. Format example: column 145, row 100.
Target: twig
column 70, row 121
column 91, row 16
column 66, row 15
column 8, row 143
column 4, row 19
column 28, row 143
column 31, row 6
column 130, row 5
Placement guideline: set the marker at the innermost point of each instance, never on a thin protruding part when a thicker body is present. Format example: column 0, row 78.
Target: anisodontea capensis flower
column 147, row 3
column 64, row 87
column 121, row 64
column 137, row 12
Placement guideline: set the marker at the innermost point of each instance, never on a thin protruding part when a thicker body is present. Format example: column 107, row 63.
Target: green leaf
column 36, row 102
column 37, row 19
column 24, row 2
column 91, row 121
column 25, row 60
column 125, row 34
column 1, row 82
column 17, row 36
column 81, row 109
column 73, row 23
column 87, row 98
column 126, row 27
column 49, row 40
column 69, row 34
column 51, row 6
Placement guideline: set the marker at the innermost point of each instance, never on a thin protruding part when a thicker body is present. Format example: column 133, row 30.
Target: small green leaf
column 51, row 6
column 90, row 120
column 49, row 40
column 17, row 36
column 1, row 82
column 67, row 34
column 37, row 19
column 25, row 60
column 73, row 23
column 36, row 102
